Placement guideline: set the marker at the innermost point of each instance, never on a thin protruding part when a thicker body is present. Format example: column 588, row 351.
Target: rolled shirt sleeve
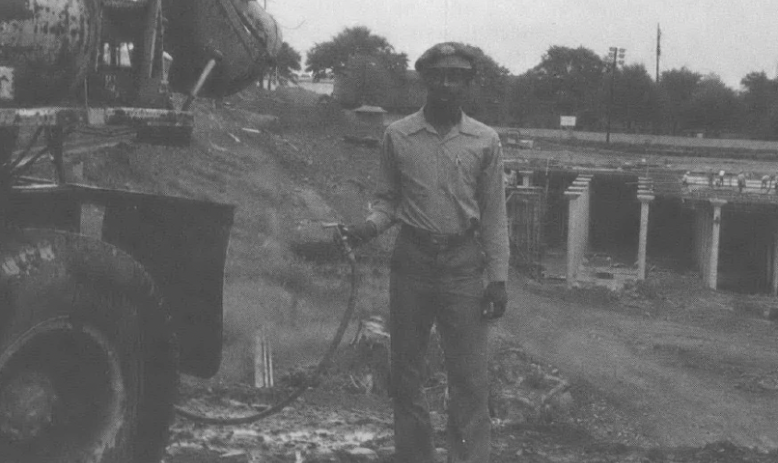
column 387, row 195
column 494, row 221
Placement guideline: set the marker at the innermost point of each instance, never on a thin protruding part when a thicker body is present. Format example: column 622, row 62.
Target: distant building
column 322, row 87
column 370, row 120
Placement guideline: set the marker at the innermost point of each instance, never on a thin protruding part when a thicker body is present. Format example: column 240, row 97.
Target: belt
column 437, row 241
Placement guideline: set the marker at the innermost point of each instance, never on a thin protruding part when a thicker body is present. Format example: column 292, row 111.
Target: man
column 741, row 181
column 441, row 180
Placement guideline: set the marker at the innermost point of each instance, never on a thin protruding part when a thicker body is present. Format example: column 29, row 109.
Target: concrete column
column 708, row 240
column 584, row 206
column 702, row 240
column 587, row 208
column 645, row 201
column 526, row 177
column 572, row 235
column 698, row 242
column 775, row 265
column 713, row 265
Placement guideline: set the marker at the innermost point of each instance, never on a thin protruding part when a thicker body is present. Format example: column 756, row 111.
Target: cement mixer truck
column 106, row 295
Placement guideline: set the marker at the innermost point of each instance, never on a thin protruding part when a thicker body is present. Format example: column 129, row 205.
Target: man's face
column 447, row 86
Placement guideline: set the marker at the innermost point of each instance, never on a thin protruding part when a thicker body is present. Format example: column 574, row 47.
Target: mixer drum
column 46, row 47
column 239, row 33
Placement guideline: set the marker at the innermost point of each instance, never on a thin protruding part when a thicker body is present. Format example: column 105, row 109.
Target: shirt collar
column 417, row 121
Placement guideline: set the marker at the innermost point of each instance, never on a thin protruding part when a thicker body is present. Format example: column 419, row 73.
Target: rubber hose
column 294, row 395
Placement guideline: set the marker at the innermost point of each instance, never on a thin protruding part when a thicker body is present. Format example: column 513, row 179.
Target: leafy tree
column 759, row 101
column 523, row 105
column 676, row 89
column 333, row 56
column 281, row 69
column 488, row 98
column 635, row 101
column 567, row 82
column 712, row 105
column 365, row 80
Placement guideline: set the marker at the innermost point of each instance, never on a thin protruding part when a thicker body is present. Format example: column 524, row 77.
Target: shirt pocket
column 417, row 172
column 469, row 166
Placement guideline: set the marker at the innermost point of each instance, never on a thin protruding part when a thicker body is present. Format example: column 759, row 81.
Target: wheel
column 87, row 357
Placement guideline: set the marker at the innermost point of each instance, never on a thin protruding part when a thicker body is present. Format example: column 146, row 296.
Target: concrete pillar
column 713, row 265
column 587, row 207
column 577, row 226
column 645, row 201
column 526, row 177
column 572, row 235
column 699, row 239
column 708, row 240
column 775, row 264
column 585, row 212
column 702, row 240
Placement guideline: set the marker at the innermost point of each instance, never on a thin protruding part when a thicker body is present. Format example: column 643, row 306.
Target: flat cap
column 454, row 54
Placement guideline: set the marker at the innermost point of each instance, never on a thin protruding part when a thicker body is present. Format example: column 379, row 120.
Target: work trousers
column 442, row 286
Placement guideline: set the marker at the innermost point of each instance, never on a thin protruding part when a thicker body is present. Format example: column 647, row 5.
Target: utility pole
column 616, row 56
column 658, row 50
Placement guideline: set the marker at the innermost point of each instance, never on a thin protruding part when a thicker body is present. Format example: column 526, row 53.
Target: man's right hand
column 358, row 234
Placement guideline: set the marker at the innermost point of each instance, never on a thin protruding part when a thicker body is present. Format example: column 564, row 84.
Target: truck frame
column 106, row 295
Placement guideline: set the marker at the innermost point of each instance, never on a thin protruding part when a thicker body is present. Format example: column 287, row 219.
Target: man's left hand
column 495, row 300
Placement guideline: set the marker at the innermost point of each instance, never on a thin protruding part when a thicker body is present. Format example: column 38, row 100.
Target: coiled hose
column 323, row 363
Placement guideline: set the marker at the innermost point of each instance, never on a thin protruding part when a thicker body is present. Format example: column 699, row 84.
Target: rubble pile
column 333, row 427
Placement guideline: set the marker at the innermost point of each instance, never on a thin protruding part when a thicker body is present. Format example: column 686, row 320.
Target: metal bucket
column 240, row 34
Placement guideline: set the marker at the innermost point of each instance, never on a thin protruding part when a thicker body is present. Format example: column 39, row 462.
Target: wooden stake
column 263, row 360
column 269, row 363
column 259, row 359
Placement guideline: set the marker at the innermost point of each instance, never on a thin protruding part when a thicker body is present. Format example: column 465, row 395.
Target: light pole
column 616, row 57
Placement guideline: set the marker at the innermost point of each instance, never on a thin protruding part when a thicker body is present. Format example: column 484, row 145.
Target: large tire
column 85, row 331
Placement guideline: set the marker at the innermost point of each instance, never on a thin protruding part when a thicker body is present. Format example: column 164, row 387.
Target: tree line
column 566, row 82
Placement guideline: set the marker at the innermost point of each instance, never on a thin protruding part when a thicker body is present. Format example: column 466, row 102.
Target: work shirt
column 445, row 184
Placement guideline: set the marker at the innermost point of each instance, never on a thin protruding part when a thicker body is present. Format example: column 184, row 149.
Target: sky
column 723, row 37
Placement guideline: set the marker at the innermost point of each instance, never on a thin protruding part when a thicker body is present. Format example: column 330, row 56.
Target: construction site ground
column 661, row 371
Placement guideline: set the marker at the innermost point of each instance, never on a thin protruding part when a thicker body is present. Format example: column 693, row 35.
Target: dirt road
column 696, row 373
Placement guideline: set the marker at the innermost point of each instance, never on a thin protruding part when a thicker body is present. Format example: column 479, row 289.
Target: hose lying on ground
column 323, row 363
